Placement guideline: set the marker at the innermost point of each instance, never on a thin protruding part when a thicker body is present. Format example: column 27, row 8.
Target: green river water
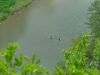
column 32, row 28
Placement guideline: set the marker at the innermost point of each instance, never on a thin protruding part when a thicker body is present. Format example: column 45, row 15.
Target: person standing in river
column 59, row 39
column 51, row 37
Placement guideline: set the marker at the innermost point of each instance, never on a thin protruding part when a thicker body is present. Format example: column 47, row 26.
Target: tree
column 77, row 59
column 12, row 65
column 94, row 18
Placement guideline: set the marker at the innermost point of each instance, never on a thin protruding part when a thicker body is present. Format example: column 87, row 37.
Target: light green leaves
column 77, row 58
column 12, row 65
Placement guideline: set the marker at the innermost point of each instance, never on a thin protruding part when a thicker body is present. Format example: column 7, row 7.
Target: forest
column 81, row 58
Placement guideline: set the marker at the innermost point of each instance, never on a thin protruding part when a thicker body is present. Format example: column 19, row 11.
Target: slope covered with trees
column 78, row 58
column 94, row 18
column 5, row 5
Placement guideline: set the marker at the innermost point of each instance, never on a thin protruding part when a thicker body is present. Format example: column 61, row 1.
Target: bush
column 76, row 59
column 3, row 17
column 5, row 5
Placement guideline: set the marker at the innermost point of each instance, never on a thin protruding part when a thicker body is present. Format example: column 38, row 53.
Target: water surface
column 32, row 28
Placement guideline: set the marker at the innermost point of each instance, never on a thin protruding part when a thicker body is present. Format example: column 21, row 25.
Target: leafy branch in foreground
column 77, row 60
column 12, row 65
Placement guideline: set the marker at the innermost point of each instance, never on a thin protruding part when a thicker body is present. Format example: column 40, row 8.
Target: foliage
column 12, row 65
column 94, row 18
column 5, row 5
column 3, row 17
column 77, row 62
column 9, row 7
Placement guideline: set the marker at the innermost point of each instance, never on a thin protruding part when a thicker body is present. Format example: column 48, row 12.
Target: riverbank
column 15, row 8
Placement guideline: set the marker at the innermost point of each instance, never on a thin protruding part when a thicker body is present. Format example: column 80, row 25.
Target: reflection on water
column 44, row 18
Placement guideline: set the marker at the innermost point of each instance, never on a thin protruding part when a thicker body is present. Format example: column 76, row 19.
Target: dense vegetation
column 5, row 5
column 94, row 18
column 78, row 59
column 8, row 7
column 10, row 64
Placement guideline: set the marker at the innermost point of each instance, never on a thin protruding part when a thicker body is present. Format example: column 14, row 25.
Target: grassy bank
column 9, row 10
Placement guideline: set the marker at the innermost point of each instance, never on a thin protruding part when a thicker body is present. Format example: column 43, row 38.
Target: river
column 33, row 27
